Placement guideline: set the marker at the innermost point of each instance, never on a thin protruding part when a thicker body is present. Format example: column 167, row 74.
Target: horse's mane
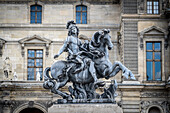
column 95, row 36
column 99, row 34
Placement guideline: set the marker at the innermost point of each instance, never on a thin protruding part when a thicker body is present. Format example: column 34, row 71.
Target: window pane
column 38, row 17
column 158, row 55
column 32, row 17
column 39, row 53
column 78, row 18
column 33, row 8
column 31, row 53
column 149, row 70
column 78, row 8
column 157, row 70
column 30, row 62
column 39, row 8
column 149, row 55
column 84, row 8
column 30, row 73
column 157, row 46
column 148, row 46
column 38, row 62
column 84, row 18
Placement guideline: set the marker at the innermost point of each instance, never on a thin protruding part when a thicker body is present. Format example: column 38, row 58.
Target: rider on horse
column 72, row 46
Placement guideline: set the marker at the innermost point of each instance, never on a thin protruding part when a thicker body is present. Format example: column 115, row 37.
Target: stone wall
column 15, row 26
column 128, row 19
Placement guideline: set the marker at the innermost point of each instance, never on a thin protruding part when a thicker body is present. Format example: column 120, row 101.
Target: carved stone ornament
column 154, row 94
column 2, row 42
column 141, row 6
column 34, row 40
column 15, row 104
column 120, row 45
column 154, row 31
column 86, row 63
column 7, row 68
column 162, row 105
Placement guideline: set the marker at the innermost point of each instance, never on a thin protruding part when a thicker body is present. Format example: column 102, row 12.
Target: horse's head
column 102, row 37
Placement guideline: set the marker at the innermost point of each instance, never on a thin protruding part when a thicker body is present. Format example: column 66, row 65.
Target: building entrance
column 154, row 110
column 31, row 110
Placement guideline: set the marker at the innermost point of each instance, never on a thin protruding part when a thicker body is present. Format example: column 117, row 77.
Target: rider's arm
column 62, row 49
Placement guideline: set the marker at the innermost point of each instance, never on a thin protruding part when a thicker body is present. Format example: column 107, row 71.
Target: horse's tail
column 46, row 74
column 48, row 82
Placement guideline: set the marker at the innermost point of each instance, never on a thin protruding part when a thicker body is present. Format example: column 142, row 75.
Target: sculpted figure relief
column 85, row 65
column 7, row 67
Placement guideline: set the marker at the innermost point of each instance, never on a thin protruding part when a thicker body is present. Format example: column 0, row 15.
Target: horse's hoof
column 132, row 77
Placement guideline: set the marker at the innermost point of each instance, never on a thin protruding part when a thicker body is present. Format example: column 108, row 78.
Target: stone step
column 130, row 32
column 130, row 106
column 130, row 35
column 129, row 50
column 130, row 46
column 130, row 42
column 130, row 53
column 130, row 27
column 131, row 60
column 131, row 111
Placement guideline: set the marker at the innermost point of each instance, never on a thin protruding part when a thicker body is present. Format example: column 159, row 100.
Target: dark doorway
column 31, row 110
column 154, row 110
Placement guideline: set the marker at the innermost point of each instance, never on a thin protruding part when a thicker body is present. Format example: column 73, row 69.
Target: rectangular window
column 153, row 60
column 81, row 14
column 35, row 64
column 36, row 14
column 152, row 6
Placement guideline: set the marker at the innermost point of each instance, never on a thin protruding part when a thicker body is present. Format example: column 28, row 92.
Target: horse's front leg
column 116, row 67
column 126, row 72
column 113, row 72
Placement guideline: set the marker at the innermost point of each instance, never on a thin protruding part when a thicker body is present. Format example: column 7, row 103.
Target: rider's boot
column 82, row 65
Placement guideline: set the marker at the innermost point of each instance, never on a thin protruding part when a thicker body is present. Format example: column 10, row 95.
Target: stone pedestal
column 85, row 108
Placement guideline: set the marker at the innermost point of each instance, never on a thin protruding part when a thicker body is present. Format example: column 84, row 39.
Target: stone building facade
column 134, row 24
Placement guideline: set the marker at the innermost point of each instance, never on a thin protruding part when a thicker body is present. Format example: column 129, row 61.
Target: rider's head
column 72, row 28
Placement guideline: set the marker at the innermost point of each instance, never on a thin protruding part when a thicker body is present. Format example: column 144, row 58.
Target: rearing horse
column 96, row 58
column 101, row 41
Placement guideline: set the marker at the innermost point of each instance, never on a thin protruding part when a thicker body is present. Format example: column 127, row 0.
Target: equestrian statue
column 85, row 65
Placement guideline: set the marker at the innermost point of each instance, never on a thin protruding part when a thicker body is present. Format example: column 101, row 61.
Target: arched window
column 81, row 14
column 36, row 14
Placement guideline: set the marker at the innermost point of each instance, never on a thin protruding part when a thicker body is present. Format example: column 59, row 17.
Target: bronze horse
column 96, row 57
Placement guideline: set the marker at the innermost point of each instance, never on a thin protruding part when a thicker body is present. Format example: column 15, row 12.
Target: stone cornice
column 142, row 16
column 59, row 26
column 103, row 2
